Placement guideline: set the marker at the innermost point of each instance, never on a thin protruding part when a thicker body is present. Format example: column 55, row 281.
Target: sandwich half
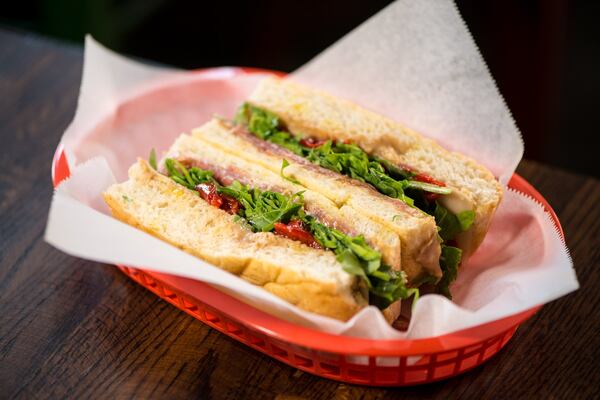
column 307, row 277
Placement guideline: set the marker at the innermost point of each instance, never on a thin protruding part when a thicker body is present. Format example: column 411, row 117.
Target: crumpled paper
column 127, row 108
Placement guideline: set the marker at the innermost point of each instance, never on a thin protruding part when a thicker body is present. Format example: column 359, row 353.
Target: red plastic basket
column 348, row 359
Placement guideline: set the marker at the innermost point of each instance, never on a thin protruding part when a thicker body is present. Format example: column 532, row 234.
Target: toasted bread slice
column 310, row 112
column 310, row 278
column 420, row 249
column 227, row 168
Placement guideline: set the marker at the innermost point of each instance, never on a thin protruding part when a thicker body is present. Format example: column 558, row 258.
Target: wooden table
column 78, row 329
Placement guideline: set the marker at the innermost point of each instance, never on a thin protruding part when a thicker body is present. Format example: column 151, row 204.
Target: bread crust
column 162, row 208
column 310, row 112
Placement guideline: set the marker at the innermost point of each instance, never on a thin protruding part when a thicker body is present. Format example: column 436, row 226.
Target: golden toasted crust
column 309, row 278
column 309, row 112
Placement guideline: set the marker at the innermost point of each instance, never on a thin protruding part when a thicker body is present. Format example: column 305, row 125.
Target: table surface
column 71, row 328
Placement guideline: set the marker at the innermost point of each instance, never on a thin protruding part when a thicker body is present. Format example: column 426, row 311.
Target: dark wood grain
column 70, row 328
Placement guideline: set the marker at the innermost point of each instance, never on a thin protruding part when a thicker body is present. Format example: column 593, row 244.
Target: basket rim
column 311, row 338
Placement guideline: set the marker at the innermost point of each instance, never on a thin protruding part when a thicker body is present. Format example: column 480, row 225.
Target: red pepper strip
column 421, row 177
column 208, row 192
column 295, row 230
column 312, row 142
column 231, row 205
column 427, row 179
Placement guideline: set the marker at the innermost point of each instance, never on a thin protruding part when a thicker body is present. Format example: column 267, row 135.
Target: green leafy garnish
column 466, row 219
column 284, row 164
column 351, row 264
column 452, row 224
column 262, row 209
column 266, row 126
column 358, row 258
column 449, row 262
column 352, row 161
column 385, row 292
column 189, row 178
column 152, row 159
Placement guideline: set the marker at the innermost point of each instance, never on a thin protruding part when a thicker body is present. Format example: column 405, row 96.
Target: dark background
column 544, row 54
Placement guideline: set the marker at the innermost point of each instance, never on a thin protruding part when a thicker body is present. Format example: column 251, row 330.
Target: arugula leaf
column 152, row 159
column 449, row 262
column 451, row 224
column 262, row 209
column 174, row 171
column 391, row 288
column 284, row 164
column 189, row 178
column 351, row 160
column 286, row 140
column 260, row 122
column 265, row 125
column 358, row 258
column 351, row 264
column 466, row 219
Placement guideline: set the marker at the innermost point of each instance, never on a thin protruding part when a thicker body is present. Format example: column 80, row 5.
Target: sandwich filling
column 397, row 181
column 284, row 215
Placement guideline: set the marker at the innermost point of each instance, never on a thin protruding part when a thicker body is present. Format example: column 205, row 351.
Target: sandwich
column 326, row 205
column 266, row 229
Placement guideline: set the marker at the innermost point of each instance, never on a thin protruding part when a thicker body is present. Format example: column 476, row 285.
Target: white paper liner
column 522, row 263
column 415, row 61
